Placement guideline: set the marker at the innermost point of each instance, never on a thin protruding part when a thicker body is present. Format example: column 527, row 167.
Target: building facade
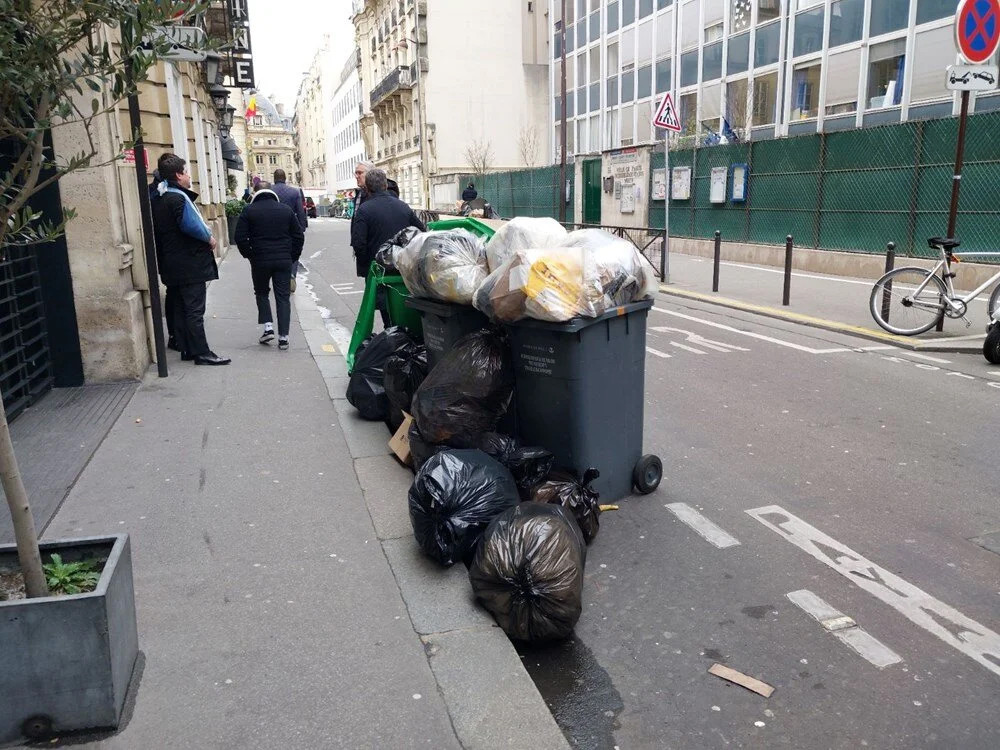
column 749, row 69
column 313, row 121
column 346, row 148
column 270, row 140
column 450, row 88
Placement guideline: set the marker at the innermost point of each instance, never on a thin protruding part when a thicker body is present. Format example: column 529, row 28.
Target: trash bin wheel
column 37, row 727
column 647, row 474
column 991, row 347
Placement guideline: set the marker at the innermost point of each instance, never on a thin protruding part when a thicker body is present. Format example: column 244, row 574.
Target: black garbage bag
column 405, row 370
column 528, row 466
column 578, row 497
column 366, row 388
column 385, row 255
column 528, row 571
column 454, row 497
column 467, row 391
column 421, row 449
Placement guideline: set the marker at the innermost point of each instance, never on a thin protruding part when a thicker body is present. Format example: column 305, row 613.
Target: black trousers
column 278, row 274
column 169, row 305
column 189, row 318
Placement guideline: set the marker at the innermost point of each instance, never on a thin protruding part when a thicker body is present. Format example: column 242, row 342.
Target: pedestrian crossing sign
column 666, row 115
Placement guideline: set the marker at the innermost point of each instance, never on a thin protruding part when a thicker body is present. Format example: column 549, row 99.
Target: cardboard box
column 400, row 442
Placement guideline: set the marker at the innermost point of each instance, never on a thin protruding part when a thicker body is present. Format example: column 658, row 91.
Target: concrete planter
column 67, row 660
column 231, row 226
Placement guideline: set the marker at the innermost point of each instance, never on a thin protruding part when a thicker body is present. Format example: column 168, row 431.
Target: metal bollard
column 890, row 263
column 787, row 296
column 718, row 259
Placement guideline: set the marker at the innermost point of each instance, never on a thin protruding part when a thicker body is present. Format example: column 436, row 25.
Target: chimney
column 281, row 109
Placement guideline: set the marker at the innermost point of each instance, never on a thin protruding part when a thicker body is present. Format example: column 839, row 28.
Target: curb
column 966, row 345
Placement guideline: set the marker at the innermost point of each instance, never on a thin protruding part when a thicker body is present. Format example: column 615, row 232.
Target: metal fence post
column 718, row 258
column 787, row 295
column 890, row 262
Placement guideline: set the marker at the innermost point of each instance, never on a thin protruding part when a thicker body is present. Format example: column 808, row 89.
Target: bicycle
column 907, row 301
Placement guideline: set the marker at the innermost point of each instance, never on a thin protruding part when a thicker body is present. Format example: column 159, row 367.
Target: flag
column 728, row 131
column 251, row 107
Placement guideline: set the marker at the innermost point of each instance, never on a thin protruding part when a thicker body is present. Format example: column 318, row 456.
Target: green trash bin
column 399, row 314
column 475, row 226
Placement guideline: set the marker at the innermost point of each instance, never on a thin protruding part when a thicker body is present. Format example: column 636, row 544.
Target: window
column 933, row 51
column 595, row 64
column 886, row 63
column 713, row 33
column 628, row 86
column 612, row 91
column 805, row 91
column 739, row 15
column 930, row 10
column 663, row 79
column 581, row 33
column 612, row 55
column 595, row 133
column 690, row 28
column 711, row 108
column 581, row 100
column 258, row 120
column 644, row 82
column 570, row 36
column 766, row 45
column 736, row 103
column 808, row 32
column 595, row 26
column 612, row 17
column 842, row 74
column 688, row 106
column 739, row 54
column 765, row 98
column 645, row 8
column 628, row 12
column 628, row 48
column 846, row 19
column 557, row 45
column 259, row 158
column 712, row 62
column 644, row 130
column 272, row 160
column 661, row 4
column 889, row 15
column 768, row 10
column 628, row 125
column 595, row 97
column 689, row 68
column 645, row 35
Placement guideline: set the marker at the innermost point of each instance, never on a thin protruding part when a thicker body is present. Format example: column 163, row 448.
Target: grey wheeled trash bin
column 579, row 392
column 445, row 323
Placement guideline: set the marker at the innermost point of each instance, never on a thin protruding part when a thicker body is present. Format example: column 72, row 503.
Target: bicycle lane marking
column 969, row 637
column 753, row 335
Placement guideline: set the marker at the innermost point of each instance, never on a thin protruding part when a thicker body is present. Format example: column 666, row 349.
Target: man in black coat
column 378, row 220
column 185, row 251
column 270, row 236
column 470, row 193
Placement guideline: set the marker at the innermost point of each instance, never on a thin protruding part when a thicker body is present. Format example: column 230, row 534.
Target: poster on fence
column 659, row 185
column 680, row 183
column 717, row 193
column 739, row 194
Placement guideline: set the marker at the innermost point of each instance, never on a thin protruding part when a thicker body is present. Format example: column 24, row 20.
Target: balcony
column 399, row 79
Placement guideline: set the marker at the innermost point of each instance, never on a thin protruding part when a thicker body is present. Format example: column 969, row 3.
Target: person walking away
column 186, row 252
column 469, row 194
column 295, row 199
column 269, row 235
column 378, row 220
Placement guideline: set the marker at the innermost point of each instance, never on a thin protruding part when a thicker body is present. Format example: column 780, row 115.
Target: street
column 808, row 475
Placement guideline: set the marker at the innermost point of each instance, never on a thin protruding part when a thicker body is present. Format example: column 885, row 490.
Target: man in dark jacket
column 185, row 250
column 361, row 194
column 379, row 219
column 270, row 236
column 470, row 194
column 294, row 198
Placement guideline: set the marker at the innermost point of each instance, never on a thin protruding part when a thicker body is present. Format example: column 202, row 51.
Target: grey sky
column 286, row 35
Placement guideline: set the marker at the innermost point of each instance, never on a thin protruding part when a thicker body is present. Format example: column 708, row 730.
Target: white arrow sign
column 972, row 77
column 666, row 115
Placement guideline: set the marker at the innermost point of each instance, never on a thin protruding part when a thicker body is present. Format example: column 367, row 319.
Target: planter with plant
column 67, row 626
column 233, row 210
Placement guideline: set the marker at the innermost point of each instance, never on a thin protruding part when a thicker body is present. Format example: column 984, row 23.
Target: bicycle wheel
column 994, row 303
column 897, row 308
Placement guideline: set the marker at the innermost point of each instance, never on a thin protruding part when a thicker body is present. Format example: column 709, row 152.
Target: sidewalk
column 833, row 303
column 281, row 600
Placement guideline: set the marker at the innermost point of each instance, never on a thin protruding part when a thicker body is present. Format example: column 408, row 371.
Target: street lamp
column 219, row 95
column 213, row 63
column 226, row 116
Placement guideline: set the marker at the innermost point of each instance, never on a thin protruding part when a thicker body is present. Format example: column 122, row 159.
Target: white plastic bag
column 448, row 265
column 522, row 233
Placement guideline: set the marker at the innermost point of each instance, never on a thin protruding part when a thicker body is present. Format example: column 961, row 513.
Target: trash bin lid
column 578, row 324
column 439, row 308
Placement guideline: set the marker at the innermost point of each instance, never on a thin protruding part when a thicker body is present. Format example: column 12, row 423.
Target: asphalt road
column 796, row 460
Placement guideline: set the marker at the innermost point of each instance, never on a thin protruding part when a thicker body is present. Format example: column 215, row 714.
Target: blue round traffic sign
column 977, row 29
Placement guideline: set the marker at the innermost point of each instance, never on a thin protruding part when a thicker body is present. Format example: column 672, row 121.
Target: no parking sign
column 977, row 29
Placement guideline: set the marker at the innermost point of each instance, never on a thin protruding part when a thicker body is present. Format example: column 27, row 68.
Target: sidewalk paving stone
column 386, row 484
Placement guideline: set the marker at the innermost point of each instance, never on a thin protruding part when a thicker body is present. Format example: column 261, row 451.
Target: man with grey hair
column 378, row 220
column 361, row 194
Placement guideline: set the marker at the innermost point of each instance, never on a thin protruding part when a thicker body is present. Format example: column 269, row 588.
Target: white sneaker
column 267, row 337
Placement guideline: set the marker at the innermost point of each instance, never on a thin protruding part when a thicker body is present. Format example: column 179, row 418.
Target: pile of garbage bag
column 589, row 273
column 562, row 487
column 528, row 571
column 385, row 255
column 522, row 233
column 468, row 391
column 444, row 265
column 454, row 497
column 529, row 466
column 405, row 370
column 420, row 448
column 366, row 387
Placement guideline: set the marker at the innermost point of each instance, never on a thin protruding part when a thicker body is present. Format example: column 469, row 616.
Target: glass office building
column 749, row 69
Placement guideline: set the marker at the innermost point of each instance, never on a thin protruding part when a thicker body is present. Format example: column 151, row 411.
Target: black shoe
column 172, row 344
column 267, row 337
column 211, row 358
column 185, row 357
column 283, row 343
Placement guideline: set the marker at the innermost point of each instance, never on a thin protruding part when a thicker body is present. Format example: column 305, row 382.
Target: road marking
column 994, row 373
column 686, row 348
column 928, row 358
column 699, row 340
column 357, row 291
column 751, row 334
column 877, row 348
column 657, row 353
column 316, row 254
column 960, row 632
column 705, row 528
column 845, row 629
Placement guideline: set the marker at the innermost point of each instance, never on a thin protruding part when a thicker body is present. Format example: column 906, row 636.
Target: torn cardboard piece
column 400, row 442
column 738, row 678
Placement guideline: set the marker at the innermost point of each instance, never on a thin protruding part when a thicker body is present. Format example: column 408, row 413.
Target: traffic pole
column 665, row 252
column 956, row 183
column 890, row 263
column 786, row 297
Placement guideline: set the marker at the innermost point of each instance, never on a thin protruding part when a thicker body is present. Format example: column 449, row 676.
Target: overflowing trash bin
column 444, row 323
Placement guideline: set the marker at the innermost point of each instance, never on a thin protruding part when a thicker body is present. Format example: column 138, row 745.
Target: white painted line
column 879, row 348
column 657, row 353
column 960, row 632
column 357, row 291
column 705, row 528
column 751, row 334
column 994, row 373
column 316, row 254
column 686, row 348
column 845, row 629
column 699, row 340
column 928, row 358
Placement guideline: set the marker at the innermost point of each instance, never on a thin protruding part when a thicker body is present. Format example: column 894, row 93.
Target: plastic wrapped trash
column 385, row 255
column 366, row 388
column 448, row 265
column 615, row 272
column 529, row 466
column 467, row 391
column 522, row 233
column 576, row 496
column 421, row 449
column 454, row 497
column 405, row 370
column 528, row 571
